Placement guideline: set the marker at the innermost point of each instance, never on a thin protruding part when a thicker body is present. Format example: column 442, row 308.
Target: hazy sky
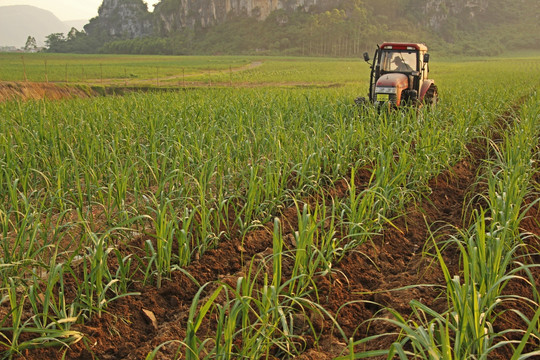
column 68, row 9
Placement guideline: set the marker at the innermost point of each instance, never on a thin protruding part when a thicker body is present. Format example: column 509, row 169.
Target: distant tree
column 73, row 34
column 31, row 44
column 55, row 42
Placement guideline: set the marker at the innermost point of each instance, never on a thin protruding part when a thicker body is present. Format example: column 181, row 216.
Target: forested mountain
column 307, row 27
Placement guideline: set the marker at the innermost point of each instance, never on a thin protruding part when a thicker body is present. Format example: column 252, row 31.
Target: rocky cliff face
column 437, row 12
column 122, row 19
column 131, row 19
column 173, row 15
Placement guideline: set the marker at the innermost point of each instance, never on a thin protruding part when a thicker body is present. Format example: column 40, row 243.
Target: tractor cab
column 399, row 75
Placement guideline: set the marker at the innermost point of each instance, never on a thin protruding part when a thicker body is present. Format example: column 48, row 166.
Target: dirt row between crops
column 362, row 285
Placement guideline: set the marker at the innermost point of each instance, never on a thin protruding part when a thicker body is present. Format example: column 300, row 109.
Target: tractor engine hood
column 397, row 80
column 390, row 87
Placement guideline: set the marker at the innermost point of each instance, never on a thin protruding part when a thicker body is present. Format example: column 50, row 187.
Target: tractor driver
column 401, row 65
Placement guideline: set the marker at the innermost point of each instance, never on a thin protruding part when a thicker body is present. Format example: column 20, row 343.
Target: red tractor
column 399, row 76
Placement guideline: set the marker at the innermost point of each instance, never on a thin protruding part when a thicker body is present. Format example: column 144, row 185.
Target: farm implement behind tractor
column 399, row 76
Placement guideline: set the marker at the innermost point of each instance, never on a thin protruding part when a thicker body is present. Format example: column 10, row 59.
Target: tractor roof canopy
column 403, row 46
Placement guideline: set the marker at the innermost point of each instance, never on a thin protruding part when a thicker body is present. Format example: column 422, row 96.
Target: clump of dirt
column 36, row 91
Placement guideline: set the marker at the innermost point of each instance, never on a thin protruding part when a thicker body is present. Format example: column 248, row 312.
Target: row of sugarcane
column 80, row 178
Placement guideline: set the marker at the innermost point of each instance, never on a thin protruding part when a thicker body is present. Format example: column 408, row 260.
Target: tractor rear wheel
column 432, row 96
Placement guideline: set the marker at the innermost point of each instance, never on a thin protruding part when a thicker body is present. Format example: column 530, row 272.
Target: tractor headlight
column 385, row 90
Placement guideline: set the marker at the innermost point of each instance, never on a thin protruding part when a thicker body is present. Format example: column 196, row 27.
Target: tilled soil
column 362, row 287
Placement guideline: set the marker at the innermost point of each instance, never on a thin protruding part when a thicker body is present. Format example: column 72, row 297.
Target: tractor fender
column 423, row 90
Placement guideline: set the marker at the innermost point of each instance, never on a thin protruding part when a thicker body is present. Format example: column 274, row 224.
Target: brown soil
column 363, row 285
column 36, row 91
